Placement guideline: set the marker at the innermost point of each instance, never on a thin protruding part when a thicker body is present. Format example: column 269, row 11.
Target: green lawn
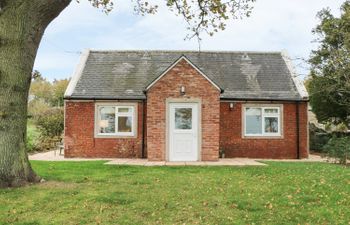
column 33, row 135
column 32, row 129
column 92, row 193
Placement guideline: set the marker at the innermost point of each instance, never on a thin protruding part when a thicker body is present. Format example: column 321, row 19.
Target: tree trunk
column 22, row 24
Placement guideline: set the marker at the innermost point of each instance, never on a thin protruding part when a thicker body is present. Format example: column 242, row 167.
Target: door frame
column 167, row 124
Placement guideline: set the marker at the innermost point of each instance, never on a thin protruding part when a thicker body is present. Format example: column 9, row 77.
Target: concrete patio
column 221, row 162
column 55, row 156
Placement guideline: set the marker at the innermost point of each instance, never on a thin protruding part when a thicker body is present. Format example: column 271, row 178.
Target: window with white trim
column 262, row 121
column 115, row 120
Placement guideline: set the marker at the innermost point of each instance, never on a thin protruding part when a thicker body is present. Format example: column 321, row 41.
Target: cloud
column 273, row 26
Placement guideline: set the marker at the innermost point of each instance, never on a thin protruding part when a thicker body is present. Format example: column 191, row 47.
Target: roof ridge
column 184, row 51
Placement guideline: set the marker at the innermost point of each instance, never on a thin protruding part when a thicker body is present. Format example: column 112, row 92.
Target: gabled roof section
column 241, row 75
column 183, row 57
column 297, row 82
column 77, row 74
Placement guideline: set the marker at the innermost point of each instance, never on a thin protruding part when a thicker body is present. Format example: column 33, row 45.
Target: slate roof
column 241, row 75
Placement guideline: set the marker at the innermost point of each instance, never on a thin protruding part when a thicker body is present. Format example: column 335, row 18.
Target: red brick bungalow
column 185, row 106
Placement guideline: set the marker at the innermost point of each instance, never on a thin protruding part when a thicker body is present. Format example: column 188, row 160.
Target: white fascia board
column 174, row 64
column 77, row 74
column 299, row 84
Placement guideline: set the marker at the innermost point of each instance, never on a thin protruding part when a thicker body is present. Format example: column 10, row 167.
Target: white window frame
column 132, row 114
column 263, row 116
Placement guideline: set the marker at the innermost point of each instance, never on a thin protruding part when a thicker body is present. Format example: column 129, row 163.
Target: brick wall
column 221, row 128
column 234, row 145
column 79, row 135
column 197, row 87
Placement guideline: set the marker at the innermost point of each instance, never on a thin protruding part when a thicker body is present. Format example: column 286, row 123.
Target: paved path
column 55, row 156
column 52, row 156
column 221, row 162
column 312, row 158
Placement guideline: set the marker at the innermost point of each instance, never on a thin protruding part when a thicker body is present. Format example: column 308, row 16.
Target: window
column 183, row 118
column 262, row 121
column 117, row 120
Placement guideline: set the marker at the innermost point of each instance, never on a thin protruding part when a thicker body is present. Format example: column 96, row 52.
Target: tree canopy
column 329, row 82
column 44, row 94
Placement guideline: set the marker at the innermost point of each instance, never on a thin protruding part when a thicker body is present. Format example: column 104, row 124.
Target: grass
column 93, row 193
column 33, row 135
column 32, row 129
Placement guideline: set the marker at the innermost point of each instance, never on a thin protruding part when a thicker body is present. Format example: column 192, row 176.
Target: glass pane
column 183, row 118
column 271, row 124
column 124, row 124
column 271, row 110
column 253, row 121
column 107, row 120
column 124, row 110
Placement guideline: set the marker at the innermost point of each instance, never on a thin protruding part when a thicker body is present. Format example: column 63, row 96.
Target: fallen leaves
column 269, row 205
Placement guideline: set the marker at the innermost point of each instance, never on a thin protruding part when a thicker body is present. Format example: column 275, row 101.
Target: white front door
column 183, row 131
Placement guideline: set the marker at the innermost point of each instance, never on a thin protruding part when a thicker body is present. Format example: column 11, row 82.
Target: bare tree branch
column 202, row 16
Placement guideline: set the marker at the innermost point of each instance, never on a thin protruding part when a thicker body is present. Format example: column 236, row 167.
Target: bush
column 36, row 107
column 318, row 141
column 31, row 143
column 318, row 137
column 51, row 122
column 338, row 148
column 47, row 143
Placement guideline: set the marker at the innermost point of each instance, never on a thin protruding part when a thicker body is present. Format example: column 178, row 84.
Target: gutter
column 104, row 98
column 264, row 100
column 221, row 99
column 143, row 129
column 297, row 129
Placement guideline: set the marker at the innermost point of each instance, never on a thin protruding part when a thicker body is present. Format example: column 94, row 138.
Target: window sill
column 262, row 137
column 115, row 136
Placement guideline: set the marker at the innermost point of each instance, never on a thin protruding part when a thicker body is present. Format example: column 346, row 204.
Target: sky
column 274, row 25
